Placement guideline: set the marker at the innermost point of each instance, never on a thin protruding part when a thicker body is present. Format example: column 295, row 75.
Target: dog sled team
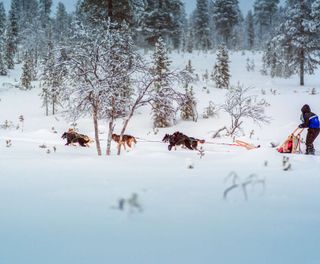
column 309, row 120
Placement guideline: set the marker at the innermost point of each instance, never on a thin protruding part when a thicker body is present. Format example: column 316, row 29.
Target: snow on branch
column 241, row 105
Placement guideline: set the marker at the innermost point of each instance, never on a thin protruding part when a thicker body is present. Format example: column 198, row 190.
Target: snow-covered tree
column 315, row 15
column 241, row 105
column 52, row 75
column 264, row 16
column 250, row 36
column 122, row 87
column 226, row 14
column 221, row 74
column 189, row 67
column 276, row 64
column 190, row 41
column 12, row 32
column 118, row 11
column 26, row 77
column 163, row 110
column 202, row 26
column 31, row 33
column 61, row 23
column 296, row 43
column 162, row 18
column 96, row 67
column 188, row 106
column 3, row 66
column 45, row 11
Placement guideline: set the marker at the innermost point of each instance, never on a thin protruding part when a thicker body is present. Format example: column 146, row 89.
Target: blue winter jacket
column 314, row 122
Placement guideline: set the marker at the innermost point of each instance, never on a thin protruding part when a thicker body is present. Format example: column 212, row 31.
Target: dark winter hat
column 305, row 109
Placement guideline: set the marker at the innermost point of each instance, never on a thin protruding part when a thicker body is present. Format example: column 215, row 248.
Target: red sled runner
column 292, row 143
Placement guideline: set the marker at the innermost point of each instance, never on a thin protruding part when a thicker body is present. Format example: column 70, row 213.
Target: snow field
column 62, row 207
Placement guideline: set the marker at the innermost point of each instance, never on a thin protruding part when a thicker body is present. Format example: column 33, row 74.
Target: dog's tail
column 88, row 139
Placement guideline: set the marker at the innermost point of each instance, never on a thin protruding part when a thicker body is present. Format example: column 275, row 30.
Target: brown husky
column 126, row 140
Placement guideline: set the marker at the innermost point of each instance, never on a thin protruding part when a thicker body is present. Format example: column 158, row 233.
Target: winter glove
column 300, row 126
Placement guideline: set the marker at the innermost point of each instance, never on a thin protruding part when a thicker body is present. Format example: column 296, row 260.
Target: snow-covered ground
column 63, row 207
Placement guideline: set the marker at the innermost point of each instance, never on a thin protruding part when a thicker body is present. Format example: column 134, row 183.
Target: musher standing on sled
column 311, row 121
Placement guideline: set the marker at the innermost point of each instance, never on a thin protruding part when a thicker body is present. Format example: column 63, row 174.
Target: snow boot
column 310, row 151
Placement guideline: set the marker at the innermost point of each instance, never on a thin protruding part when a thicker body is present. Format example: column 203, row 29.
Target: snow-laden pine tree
column 127, row 52
column 202, row 26
column 238, row 39
column 52, row 74
column 31, row 33
column 3, row 66
column 188, row 107
column 162, row 18
column 190, row 40
column 221, row 74
column 162, row 107
column 26, row 77
column 12, row 32
column 315, row 14
column 250, row 35
column 225, row 14
column 118, row 11
column 189, row 67
column 277, row 65
column 61, row 23
column 44, row 12
column 46, row 25
column 264, row 17
column 296, row 43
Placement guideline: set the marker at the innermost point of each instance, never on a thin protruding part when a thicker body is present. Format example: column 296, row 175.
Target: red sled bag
column 292, row 143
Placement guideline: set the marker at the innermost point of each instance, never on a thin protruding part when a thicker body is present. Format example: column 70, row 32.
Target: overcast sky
column 245, row 5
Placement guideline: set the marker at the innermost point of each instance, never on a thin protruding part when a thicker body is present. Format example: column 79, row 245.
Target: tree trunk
column 110, row 9
column 46, row 103
column 135, row 105
column 96, row 131
column 53, row 106
column 302, row 68
column 111, row 128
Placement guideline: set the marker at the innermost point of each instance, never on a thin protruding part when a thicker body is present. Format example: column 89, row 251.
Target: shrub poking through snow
column 21, row 120
column 7, row 124
column 250, row 65
column 132, row 204
column 189, row 164
column 237, row 183
column 313, row 91
column 241, row 105
column 8, row 143
column 201, row 152
column 189, row 67
column 286, row 165
column 210, row 111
